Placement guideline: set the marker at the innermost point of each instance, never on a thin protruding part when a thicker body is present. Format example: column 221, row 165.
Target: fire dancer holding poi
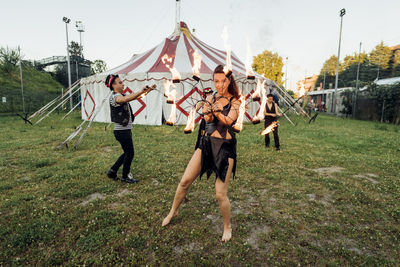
column 217, row 148
column 271, row 114
column 122, row 116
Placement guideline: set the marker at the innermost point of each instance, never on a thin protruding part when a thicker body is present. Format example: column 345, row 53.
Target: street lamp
column 342, row 13
column 22, row 83
column 67, row 20
column 80, row 28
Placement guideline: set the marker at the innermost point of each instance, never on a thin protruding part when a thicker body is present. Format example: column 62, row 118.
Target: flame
column 249, row 69
column 260, row 115
column 172, row 116
column 242, row 108
column 190, row 121
column 170, row 95
column 270, row 128
column 260, row 86
column 225, row 37
column 196, row 63
column 175, row 73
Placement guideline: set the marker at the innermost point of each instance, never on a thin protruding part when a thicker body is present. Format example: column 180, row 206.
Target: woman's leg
column 221, row 192
column 192, row 171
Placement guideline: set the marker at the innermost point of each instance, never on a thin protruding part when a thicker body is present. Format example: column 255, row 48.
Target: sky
column 305, row 31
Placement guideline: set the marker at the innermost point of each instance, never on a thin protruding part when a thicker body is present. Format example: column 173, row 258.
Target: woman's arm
column 208, row 115
column 232, row 115
column 128, row 98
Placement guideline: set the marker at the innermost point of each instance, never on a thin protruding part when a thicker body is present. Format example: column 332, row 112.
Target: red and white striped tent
column 147, row 68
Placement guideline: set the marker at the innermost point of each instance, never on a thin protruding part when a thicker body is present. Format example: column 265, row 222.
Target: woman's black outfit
column 215, row 151
column 268, row 120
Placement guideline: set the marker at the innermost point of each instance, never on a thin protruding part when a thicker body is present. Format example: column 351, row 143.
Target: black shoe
column 129, row 180
column 277, row 149
column 112, row 174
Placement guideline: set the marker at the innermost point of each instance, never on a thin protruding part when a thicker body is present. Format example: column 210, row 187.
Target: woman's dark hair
column 270, row 95
column 232, row 88
column 110, row 80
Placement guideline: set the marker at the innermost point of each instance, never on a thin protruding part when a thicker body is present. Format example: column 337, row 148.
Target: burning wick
column 176, row 76
column 270, row 128
column 239, row 122
column 260, row 113
column 196, row 65
column 256, row 95
column 172, row 117
column 170, row 95
column 190, row 121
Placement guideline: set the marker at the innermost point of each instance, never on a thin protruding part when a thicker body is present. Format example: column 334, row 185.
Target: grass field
column 330, row 197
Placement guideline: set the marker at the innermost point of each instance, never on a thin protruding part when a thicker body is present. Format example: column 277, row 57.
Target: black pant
column 275, row 132
column 124, row 137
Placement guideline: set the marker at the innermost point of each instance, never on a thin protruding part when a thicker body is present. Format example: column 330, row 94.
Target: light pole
column 324, row 75
column 22, row 83
column 356, row 91
column 80, row 28
column 287, row 59
column 67, row 20
column 342, row 13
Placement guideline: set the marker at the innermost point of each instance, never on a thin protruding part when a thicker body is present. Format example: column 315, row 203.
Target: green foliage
column 98, row 66
column 347, row 101
column 389, row 97
column 270, row 65
column 9, row 58
column 381, row 60
column 291, row 93
column 381, row 56
column 39, row 87
column 75, row 49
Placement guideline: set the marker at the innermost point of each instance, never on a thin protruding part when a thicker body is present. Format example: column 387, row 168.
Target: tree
column 291, row 93
column 75, row 49
column 270, row 65
column 9, row 58
column 98, row 66
column 381, row 56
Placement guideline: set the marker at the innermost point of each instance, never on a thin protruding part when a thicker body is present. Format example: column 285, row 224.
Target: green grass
column 284, row 211
column 39, row 88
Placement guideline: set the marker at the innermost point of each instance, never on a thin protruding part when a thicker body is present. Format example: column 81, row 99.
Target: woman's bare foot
column 168, row 218
column 227, row 235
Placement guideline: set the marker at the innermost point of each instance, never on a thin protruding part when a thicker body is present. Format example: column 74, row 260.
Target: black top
column 217, row 125
column 272, row 110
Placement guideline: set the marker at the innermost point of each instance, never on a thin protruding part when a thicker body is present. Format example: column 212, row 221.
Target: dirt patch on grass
column 329, row 171
column 368, row 176
column 255, row 235
column 191, row 247
column 323, row 199
column 124, row 193
column 92, row 198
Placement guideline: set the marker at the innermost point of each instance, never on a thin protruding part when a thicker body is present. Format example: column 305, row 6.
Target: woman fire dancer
column 217, row 149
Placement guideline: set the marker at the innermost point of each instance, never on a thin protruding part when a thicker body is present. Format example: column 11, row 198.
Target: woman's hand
column 217, row 107
column 207, row 108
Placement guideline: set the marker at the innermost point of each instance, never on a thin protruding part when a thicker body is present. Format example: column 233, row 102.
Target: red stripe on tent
column 235, row 61
column 135, row 64
column 169, row 49
column 203, row 67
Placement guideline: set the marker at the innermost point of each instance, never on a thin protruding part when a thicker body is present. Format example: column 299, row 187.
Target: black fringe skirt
column 215, row 153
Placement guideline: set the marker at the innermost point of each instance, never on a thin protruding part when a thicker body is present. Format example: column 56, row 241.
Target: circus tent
column 150, row 67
